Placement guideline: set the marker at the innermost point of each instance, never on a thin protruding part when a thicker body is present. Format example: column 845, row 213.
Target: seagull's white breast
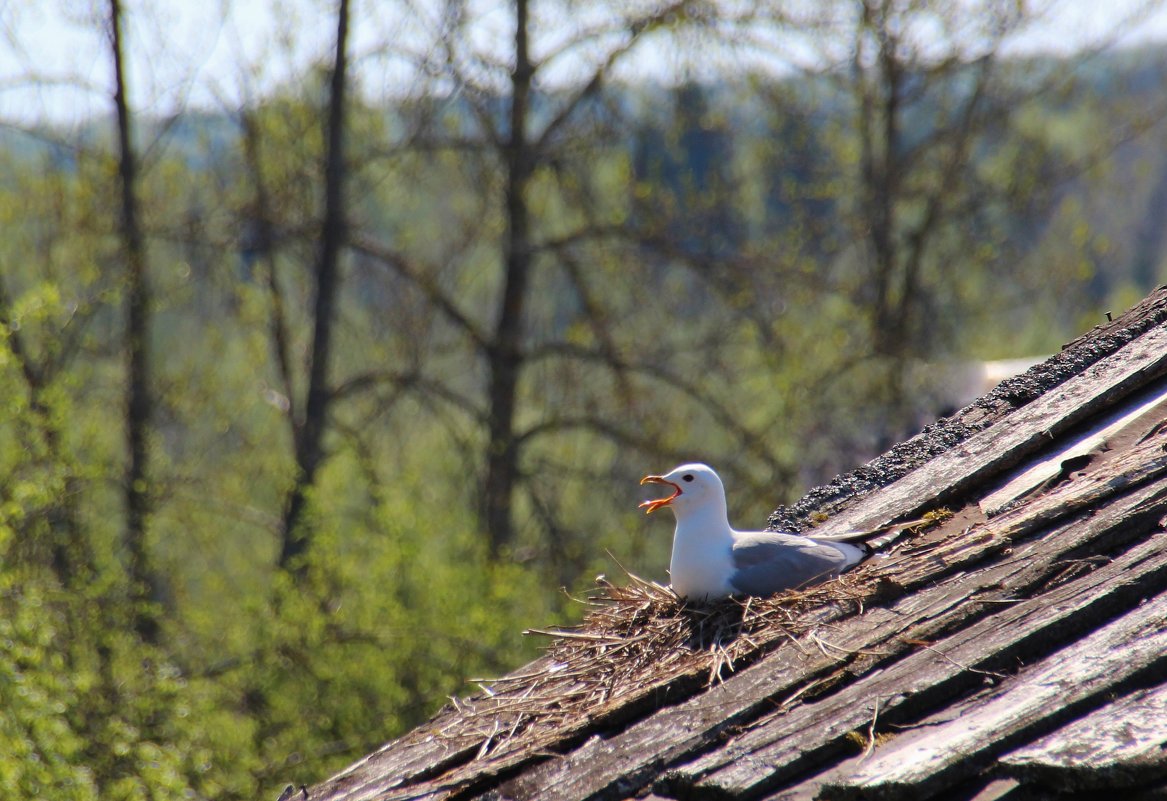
column 702, row 561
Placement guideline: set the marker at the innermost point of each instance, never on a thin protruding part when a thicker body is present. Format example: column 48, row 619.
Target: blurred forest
column 312, row 403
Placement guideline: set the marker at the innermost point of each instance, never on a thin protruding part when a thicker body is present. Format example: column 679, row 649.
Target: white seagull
column 710, row 560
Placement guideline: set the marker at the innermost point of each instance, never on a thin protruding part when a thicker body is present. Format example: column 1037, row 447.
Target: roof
column 1015, row 648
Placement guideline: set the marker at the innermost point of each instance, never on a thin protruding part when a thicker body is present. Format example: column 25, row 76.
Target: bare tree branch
column 265, row 244
column 401, row 265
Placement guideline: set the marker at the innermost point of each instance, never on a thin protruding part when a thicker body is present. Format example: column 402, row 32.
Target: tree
column 520, row 139
column 139, row 403
column 938, row 183
column 918, row 114
column 309, row 431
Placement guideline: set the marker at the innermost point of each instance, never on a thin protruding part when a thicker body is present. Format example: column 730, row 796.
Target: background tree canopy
column 314, row 401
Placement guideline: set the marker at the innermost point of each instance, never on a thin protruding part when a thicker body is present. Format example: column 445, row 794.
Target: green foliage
column 697, row 293
column 43, row 752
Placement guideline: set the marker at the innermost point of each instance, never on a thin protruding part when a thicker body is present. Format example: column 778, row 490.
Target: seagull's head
column 693, row 485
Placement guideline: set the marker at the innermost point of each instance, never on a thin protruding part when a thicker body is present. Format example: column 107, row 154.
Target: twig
column 871, row 732
column 485, row 747
column 950, row 660
column 574, row 635
column 976, row 600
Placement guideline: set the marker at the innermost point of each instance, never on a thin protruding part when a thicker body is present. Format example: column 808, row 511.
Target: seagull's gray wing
column 766, row 562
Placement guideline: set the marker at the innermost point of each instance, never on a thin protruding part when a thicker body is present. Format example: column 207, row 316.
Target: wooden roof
column 1016, row 651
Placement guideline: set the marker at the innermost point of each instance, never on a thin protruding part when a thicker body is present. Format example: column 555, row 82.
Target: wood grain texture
column 925, row 680
column 1081, row 447
column 937, row 756
column 1123, row 744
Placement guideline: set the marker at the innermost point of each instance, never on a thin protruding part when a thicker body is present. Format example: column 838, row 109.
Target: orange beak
column 651, row 506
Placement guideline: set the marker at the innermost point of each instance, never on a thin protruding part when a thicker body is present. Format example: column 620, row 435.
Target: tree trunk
column 879, row 130
column 139, row 404
column 310, row 433
column 505, row 357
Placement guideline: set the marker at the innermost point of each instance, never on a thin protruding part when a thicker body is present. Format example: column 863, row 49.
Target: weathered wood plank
column 414, row 757
column 1031, row 477
column 1144, row 314
column 606, row 767
column 1123, row 744
column 1008, row 442
column 922, row 763
column 765, row 757
column 985, row 787
column 1145, row 462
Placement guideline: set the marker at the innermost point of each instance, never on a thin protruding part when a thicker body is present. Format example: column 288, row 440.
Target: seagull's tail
column 877, row 539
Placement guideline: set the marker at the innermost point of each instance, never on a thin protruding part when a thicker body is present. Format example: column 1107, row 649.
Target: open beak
column 651, row 506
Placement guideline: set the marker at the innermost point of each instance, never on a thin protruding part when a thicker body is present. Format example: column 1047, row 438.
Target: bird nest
column 635, row 639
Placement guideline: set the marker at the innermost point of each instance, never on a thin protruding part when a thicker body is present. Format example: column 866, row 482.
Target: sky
column 214, row 54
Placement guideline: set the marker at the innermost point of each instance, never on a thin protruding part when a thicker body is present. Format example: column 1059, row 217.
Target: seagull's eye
column 687, row 477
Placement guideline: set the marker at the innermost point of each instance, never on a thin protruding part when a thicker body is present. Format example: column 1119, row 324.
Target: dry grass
column 634, row 638
column 638, row 638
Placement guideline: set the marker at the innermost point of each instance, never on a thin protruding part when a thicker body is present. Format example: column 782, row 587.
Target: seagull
column 710, row 560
